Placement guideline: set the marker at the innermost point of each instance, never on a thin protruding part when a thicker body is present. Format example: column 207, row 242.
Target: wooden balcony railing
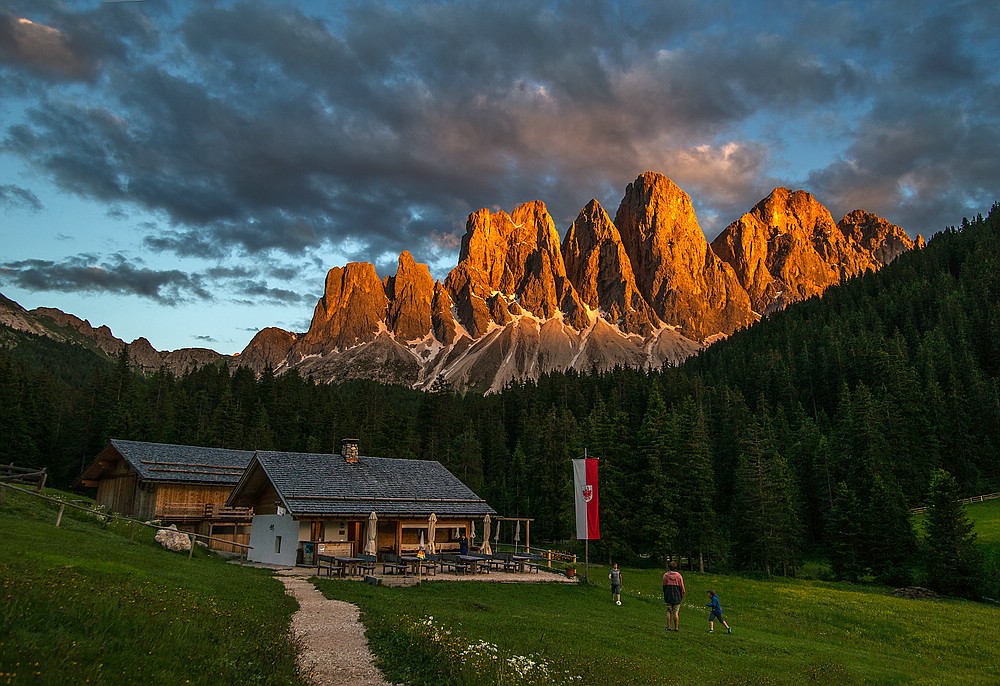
column 206, row 511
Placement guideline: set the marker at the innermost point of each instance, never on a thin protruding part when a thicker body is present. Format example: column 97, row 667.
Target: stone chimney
column 349, row 450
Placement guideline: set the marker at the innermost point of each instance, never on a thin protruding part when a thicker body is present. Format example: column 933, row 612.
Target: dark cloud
column 258, row 129
column 114, row 274
column 118, row 274
column 44, row 50
column 16, row 197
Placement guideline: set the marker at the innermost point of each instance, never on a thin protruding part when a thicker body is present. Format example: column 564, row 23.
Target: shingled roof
column 175, row 463
column 327, row 485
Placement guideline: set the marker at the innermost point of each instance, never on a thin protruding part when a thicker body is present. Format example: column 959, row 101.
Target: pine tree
column 844, row 535
column 766, row 523
column 656, row 529
column 696, row 520
column 954, row 562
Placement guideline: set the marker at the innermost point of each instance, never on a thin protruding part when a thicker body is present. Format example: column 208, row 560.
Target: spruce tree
column 954, row 562
column 844, row 535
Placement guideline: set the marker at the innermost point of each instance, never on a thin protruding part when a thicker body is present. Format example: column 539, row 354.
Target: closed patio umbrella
column 431, row 524
column 485, row 549
column 371, row 544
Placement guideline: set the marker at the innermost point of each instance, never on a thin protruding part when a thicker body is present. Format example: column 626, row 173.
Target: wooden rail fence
column 133, row 523
column 24, row 475
column 964, row 501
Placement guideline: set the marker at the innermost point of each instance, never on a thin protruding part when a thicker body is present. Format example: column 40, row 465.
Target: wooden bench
column 429, row 566
column 391, row 564
column 368, row 566
column 330, row 564
column 453, row 564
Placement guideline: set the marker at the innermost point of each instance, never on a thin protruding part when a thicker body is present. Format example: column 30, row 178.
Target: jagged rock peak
column 600, row 270
column 516, row 257
column 352, row 310
column 686, row 284
column 883, row 239
column 788, row 248
column 410, row 293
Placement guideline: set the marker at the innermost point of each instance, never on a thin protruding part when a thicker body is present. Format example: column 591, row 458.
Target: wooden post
column 131, row 532
column 41, row 482
column 191, row 549
column 59, row 517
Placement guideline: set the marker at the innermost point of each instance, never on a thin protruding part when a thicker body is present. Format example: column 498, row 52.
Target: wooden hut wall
column 267, row 502
column 116, row 492
column 178, row 499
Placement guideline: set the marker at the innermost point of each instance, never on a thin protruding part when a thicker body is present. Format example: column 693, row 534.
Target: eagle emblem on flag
column 588, row 492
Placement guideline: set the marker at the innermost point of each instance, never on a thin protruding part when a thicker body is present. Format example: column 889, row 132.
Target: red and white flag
column 588, row 524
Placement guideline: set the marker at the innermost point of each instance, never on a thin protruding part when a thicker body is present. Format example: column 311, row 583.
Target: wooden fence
column 963, row 501
column 24, row 475
column 4, row 486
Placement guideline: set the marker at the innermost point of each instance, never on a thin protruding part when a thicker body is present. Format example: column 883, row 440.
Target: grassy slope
column 81, row 604
column 986, row 518
column 785, row 632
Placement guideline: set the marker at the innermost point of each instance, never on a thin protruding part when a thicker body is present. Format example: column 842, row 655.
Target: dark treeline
column 815, row 430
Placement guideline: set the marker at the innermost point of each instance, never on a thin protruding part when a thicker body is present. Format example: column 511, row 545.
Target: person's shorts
column 616, row 589
column 673, row 607
column 713, row 615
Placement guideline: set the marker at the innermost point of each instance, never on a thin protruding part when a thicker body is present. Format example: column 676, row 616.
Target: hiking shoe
column 729, row 630
column 711, row 631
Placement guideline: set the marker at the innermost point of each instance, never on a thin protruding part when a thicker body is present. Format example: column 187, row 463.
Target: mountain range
column 640, row 290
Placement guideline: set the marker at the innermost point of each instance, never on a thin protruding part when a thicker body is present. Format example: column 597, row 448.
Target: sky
column 188, row 172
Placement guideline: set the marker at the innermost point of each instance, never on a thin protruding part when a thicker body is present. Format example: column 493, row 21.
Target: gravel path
column 334, row 648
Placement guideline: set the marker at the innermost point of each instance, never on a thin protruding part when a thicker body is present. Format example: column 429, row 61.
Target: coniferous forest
column 813, row 433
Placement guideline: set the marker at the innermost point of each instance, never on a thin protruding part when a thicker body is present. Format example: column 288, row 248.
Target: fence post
column 131, row 532
column 191, row 549
column 41, row 482
column 59, row 517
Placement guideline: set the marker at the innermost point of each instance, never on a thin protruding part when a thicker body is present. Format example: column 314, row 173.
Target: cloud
column 113, row 274
column 44, row 50
column 121, row 275
column 258, row 129
column 15, row 197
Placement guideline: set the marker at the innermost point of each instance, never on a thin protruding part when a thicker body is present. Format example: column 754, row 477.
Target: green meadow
column 83, row 603
column 784, row 632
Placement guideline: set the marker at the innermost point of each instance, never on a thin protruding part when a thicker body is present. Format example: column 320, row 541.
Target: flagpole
column 586, row 546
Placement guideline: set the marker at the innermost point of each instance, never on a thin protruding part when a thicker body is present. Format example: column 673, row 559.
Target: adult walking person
column 616, row 584
column 673, row 595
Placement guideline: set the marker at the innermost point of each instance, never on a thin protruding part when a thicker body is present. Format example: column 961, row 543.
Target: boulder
column 174, row 540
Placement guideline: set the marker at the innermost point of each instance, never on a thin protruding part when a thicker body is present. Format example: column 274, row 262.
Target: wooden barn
column 312, row 504
column 175, row 484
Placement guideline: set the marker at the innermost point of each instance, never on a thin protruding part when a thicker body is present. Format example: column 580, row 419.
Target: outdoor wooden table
column 350, row 564
column 413, row 561
column 473, row 562
column 522, row 561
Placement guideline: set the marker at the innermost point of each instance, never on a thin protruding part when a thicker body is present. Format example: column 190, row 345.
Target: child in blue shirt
column 716, row 613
